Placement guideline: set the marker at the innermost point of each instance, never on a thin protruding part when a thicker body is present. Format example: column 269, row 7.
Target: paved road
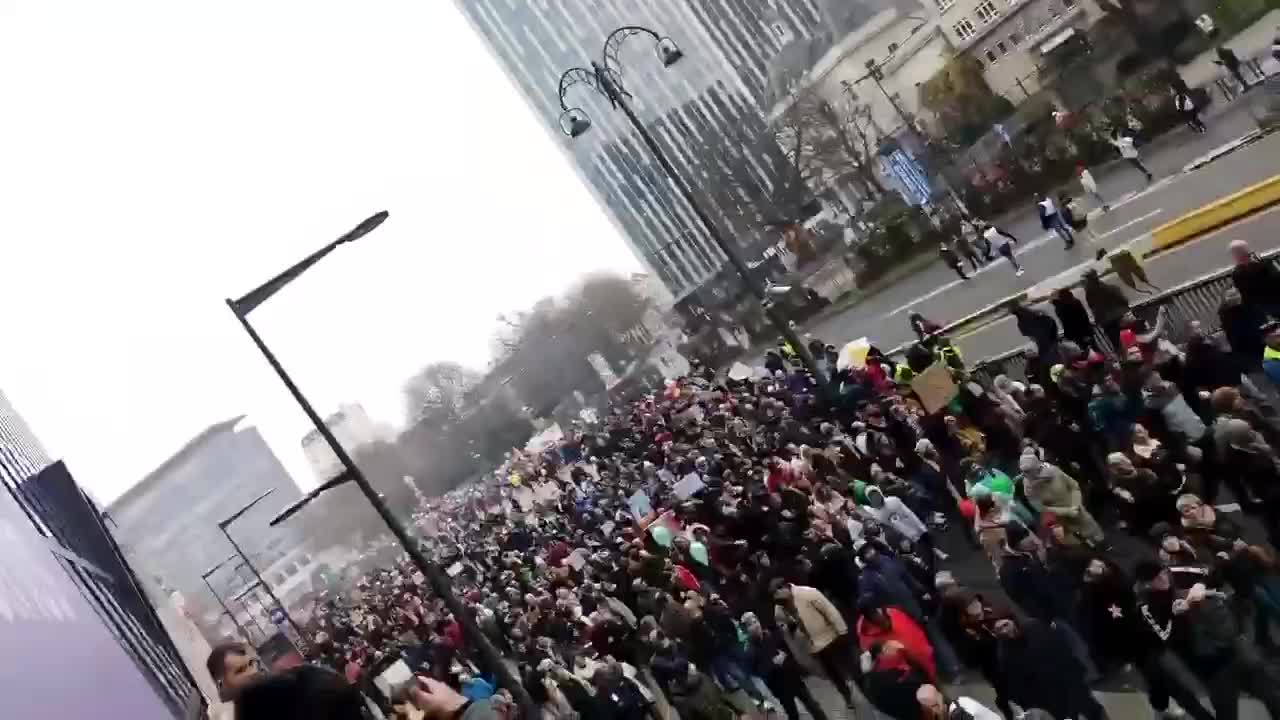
column 1136, row 209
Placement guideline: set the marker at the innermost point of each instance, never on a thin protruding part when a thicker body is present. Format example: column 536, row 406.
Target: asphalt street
column 1136, row 208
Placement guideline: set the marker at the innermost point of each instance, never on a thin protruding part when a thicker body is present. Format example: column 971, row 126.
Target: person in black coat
column 1073, row 316
column 1257, row 280
column 1108, row 304
column 1039, row 671
column 1038, row 327
column 1242, row 325
column 771, row 661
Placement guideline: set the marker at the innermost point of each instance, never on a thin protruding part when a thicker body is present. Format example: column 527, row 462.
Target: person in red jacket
column 878, row 625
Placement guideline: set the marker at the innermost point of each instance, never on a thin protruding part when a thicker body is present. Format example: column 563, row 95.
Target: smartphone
column 394, row 680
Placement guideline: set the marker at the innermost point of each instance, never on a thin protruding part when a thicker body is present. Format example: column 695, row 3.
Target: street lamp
column 604, row 78
column 205, row 577
column 223, row 525
column 438, row 580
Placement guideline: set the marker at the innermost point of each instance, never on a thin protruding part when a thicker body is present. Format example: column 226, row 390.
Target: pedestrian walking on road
column 1074, row 216
column 1128, row 148
column 952, row 259
column 1051, row 219
column 966, row 249
column 1003, row 243
column 1090, row 186
column 1186, row 106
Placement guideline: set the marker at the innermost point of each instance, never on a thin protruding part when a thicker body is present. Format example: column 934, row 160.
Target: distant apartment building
column 707, row 111
column 1014, row 39
column 167, row 524
column 353, row 427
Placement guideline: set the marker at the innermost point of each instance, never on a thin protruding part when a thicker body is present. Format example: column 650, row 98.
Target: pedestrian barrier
column 1216, row 214
column 1197, row 300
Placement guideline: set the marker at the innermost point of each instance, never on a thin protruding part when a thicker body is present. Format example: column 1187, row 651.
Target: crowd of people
column 709, row 546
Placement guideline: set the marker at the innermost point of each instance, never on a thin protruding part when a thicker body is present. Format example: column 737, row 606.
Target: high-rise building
column 167, row 524
column 70, row 606
column 706, row 112
column 21, row 454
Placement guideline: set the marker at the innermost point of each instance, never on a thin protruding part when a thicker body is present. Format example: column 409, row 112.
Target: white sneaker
column 1173, row 712
column 1020, row 272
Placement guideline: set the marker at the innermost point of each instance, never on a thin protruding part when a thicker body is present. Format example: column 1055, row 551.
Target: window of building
column 893, row 48
column 944, row 5
column 1003, row 47
column 1068, row 4
column 965, row 29
column 1015, row 39
column 987, row 12
column 992, row 58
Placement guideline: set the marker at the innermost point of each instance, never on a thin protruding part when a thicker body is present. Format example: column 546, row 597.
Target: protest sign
column 934, row 387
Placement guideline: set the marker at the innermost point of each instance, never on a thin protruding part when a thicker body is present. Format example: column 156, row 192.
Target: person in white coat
column 1090, row 187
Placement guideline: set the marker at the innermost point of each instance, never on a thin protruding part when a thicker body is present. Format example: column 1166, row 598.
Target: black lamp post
column 604, row 78
column 205, row 577
column 257, row 576
column 435, row 575
column 875, row 72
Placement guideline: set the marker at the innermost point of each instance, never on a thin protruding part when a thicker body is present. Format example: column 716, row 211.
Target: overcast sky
column 158, row 156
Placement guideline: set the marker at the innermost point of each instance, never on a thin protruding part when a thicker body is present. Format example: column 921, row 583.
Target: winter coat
column 1074, row 318
column 1109, row 614
column 1206, row 367
column 1030, row 584
column 819, row 617
column 895, row 514
column 1037, row 326
column 1107, row 302
column 1178, row 416
column 1039, row 671
column 787, row 676
column 1259, row 284
column 1242, row 326
column 904, row 630
column 888, row 583
column 1049, row 489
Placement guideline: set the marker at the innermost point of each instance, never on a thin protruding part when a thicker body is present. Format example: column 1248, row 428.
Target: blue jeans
column 731, row 675
column 1058, row 225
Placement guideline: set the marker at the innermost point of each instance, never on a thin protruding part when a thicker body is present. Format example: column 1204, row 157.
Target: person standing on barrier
column 1108, row 304
column 1257, row 280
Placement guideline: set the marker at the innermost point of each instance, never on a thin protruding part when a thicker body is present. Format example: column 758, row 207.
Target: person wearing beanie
column 1049, row 489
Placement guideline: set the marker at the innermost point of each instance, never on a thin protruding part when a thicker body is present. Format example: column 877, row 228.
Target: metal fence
column 1197, row 300
column 60, row 509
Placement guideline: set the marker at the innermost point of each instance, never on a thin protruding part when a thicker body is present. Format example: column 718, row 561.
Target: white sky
column 158, row 156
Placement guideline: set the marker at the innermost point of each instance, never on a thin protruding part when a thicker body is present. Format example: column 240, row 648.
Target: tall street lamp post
column 435, row 575
column 875, row 72
column 205, row 577
column 604, row 78
column 223, row 525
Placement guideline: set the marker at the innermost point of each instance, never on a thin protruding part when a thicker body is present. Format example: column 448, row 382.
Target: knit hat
column 1029, row 463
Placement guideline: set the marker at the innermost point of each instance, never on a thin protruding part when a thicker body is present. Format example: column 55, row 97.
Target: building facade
column 1015, row 39
column 707, row 112
column 353, row 427
column 21, row 453
column 70, row 605
column 167, row 524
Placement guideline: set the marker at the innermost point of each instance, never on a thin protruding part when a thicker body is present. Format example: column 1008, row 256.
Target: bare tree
column 436, row 393
column 827, row 142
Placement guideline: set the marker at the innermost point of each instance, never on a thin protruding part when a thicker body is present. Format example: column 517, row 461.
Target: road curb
column 1214, row 215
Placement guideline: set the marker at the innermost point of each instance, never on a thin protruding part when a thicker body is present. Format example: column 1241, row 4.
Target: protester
column 1128, row 149
column 1051, row 218
column 1090, row 186
column 951, row 259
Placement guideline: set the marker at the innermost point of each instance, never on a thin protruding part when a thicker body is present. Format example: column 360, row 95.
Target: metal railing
column 1197, row 300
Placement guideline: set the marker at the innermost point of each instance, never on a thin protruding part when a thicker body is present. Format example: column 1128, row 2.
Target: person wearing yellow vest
column 1271, row 353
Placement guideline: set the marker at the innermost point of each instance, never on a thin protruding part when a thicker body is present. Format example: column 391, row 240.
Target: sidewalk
column 1251, row 42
